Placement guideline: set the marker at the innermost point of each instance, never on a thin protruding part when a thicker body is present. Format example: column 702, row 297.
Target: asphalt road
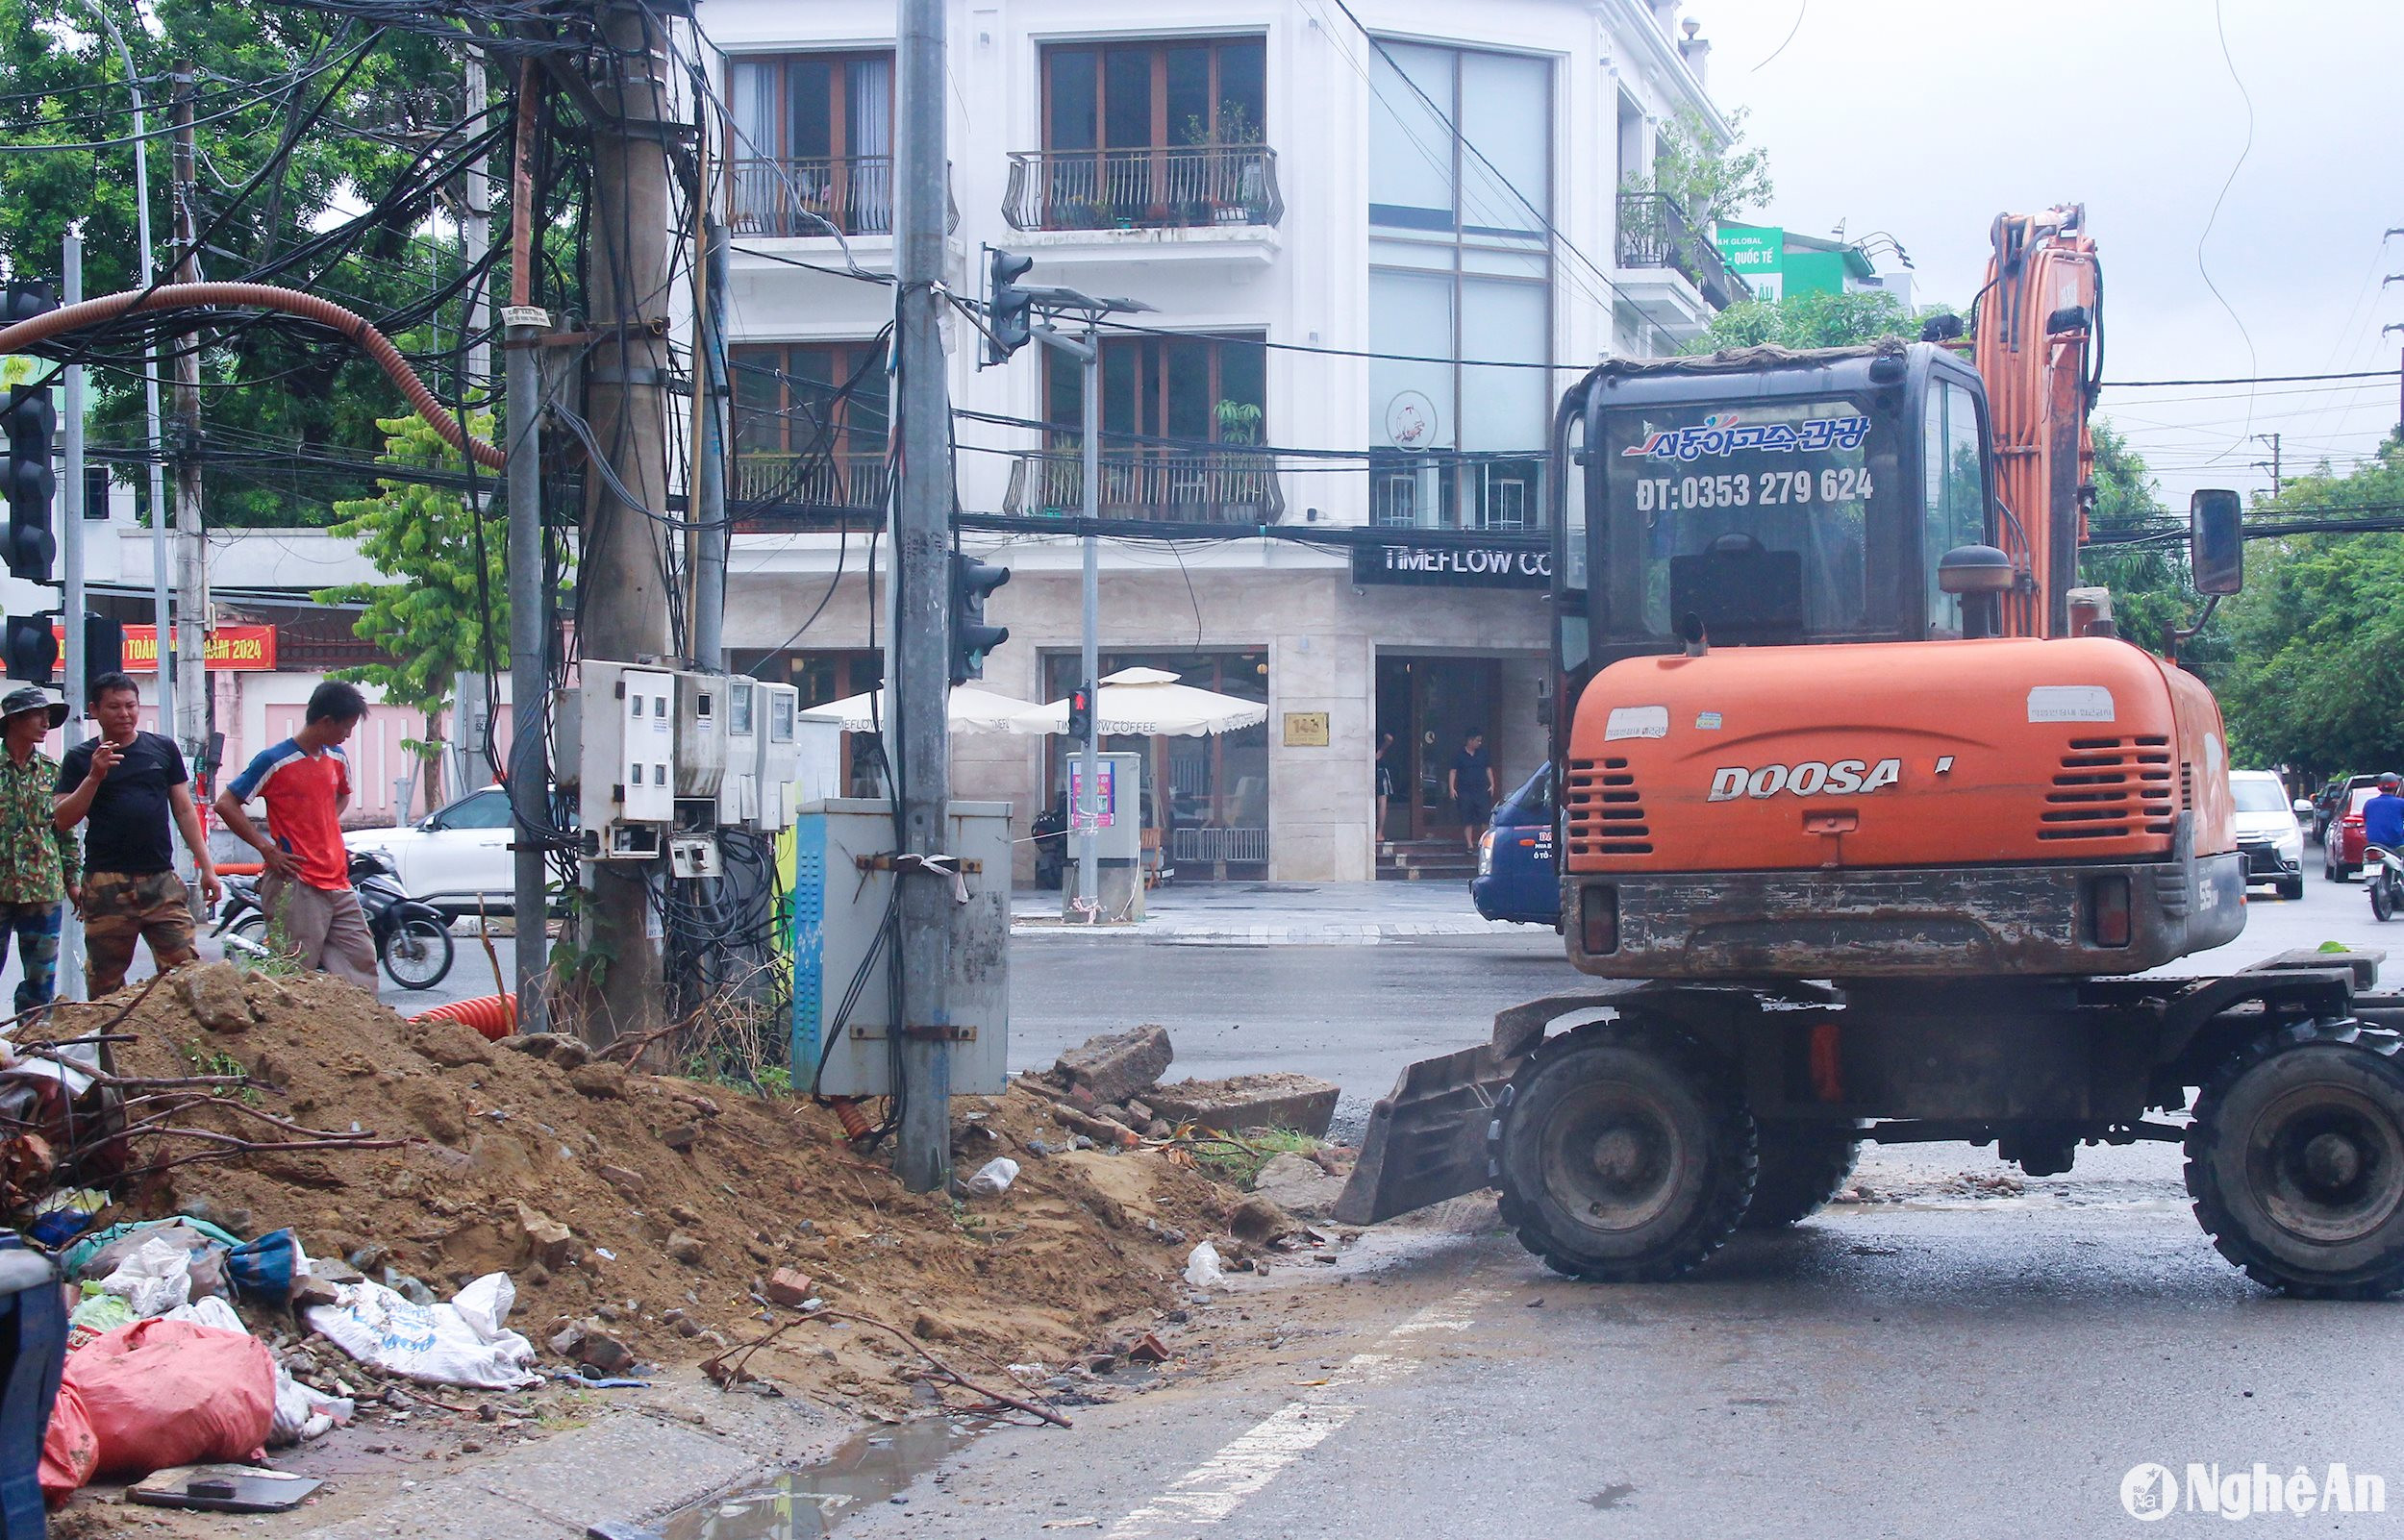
column 1965, row 1356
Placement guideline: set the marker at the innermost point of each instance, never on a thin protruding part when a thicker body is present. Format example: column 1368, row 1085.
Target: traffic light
column 104, row 645
column 1081, row 715
column 972, row 581
column 1010, row 310
column 30, row 422
column 32, row 648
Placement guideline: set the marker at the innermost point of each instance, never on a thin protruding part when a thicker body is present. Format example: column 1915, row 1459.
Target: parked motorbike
column 2383, row 874
column 413, row 938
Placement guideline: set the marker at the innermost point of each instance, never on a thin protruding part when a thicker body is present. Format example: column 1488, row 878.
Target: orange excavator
column 1873, row 825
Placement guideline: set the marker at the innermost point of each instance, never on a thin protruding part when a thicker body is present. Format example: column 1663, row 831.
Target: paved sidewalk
column 1279, row 913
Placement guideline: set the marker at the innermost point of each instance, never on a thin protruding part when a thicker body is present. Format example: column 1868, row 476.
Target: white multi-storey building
column 1377, row 237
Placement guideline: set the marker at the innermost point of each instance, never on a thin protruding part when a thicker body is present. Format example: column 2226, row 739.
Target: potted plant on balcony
column 1240, row 479
column 1228, row 171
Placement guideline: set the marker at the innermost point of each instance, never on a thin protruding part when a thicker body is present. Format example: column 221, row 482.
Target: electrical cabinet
column 700, row 738
column 617, row 730
column 740, row 802
column 842, row 882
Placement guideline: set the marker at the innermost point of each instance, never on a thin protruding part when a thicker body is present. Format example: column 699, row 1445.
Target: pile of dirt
column 679, row 1201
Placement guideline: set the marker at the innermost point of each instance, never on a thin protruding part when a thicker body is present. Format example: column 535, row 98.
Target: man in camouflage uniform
column 130, row 783
column 40, row 868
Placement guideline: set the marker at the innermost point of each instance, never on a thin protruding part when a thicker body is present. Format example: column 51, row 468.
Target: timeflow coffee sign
column 1451, row 564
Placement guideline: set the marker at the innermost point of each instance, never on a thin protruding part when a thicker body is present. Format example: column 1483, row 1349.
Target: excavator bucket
column 1427, row 1141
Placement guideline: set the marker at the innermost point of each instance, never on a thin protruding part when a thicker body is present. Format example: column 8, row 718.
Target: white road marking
column 1215, row 1489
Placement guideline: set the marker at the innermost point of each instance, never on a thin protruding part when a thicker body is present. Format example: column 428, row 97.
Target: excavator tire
column 1622, row 1153
column 2295, row 1160
column 1802, row 1166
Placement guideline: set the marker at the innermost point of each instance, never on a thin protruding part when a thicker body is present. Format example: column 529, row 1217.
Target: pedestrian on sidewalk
column 41, row 867
column 1386, row 757
column 130, row 783
column 305, row 783
column 1471, row 784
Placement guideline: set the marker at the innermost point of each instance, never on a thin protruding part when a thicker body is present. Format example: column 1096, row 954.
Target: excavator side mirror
column 2216, row 545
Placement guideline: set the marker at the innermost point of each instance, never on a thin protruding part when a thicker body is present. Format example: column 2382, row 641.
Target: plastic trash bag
column 432, row 1344
column 154, row 1279
column 264, row 1269
column 994, row 1177
column 209, row 1311
column 162, row 1393
column 304, row 1412
column 1202, row 1269
column 70, row 1453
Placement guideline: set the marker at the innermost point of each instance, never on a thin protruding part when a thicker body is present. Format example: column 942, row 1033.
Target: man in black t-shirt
column 130, row 783
column 1471, row 784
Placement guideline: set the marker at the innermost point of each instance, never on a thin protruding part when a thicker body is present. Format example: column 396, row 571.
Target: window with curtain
column 1459, row 140
column 811, row 143
column 798, row 439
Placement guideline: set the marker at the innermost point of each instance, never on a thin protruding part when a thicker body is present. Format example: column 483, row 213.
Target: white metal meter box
column 739, row 791
column 619, row 729
column 800, row 760
column 700, row 741
column 842, row 883
column 1119, row 837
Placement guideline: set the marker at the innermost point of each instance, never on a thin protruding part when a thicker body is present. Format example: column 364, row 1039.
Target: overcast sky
column 1928, row 118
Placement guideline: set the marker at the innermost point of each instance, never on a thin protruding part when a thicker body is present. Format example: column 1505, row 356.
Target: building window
column 1158, row 133
column 810, row 429
column 1179, row 417
column 811, row 148
column 1459, row 186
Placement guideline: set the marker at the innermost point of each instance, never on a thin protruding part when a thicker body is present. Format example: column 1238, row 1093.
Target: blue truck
column 1516, row 878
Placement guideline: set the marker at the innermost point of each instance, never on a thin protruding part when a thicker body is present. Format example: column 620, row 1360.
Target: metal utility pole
column 708, row 491
column 191, row 578
column 71, row 573
column 163, row 680
column 918, row 656
column 2276, row 465
column 530, row 619
column 624, row 570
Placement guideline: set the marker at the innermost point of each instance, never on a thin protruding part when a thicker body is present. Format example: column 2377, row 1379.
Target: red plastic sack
column 162, row 1393
column 68, row 1449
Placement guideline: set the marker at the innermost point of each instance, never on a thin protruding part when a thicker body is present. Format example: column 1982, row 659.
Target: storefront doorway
column 1430, row 704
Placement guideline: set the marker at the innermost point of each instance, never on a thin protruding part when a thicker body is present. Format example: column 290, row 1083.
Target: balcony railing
column 1170, row 187
column 1654, row 233
column 1207, row 486
column 779, row 487
column 853, row 194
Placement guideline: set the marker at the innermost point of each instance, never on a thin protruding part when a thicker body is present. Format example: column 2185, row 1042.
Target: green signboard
column 1752, row 250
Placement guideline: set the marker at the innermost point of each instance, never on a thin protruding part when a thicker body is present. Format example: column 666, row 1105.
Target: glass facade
column 1460, row 268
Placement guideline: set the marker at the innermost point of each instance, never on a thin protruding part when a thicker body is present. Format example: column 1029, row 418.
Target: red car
column 2341, row 849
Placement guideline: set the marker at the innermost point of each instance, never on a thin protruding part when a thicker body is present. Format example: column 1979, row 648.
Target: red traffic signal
column 1081, row 713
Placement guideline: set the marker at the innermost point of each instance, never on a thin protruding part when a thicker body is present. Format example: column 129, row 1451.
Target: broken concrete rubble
column 1301, row 1103
column 1298, row 1185
column 1116, row 1067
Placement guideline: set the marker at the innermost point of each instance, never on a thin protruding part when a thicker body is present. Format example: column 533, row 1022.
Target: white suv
column 454, row 854
column 2267, row 834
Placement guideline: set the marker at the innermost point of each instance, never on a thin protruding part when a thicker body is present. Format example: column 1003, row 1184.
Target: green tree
column 357, row 107
column 1710, row 179
column 2148, row 582
column 2318, row 637
column 437, row 619
column 1812, row 321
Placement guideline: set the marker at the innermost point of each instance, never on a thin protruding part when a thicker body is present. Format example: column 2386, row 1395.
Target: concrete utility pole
column 530, row 609
column 71, row 575
column 711, row 537
column 471, row 740
column 191, row 576
column 2276, row 465
column 917, row 650
column 162, row 680
column 624, row 571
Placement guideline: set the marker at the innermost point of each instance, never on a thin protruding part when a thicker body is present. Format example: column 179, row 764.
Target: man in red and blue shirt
column 305, row 780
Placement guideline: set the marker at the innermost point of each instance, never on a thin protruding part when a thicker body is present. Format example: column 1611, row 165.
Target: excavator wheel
column 1622, row 1153
column 1802, row 1166
column 2295, row 1160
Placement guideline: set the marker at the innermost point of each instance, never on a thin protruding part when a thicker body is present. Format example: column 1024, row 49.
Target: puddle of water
column 809, row 1503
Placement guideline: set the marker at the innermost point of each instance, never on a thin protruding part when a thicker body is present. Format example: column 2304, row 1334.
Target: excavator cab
column 1765, row 497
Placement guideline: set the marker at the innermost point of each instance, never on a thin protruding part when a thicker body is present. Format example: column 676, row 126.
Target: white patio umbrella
column 972, row 710
column 1148, row 703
